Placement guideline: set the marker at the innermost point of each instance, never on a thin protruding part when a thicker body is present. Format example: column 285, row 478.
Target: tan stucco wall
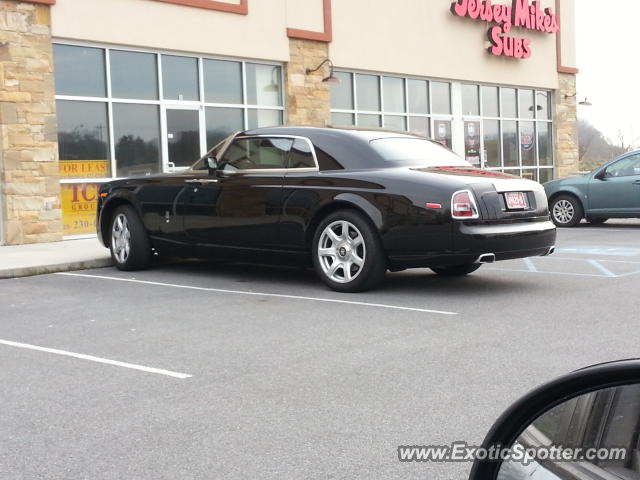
column 424, row 38
column 568, row 26
column 306, row 14
column 145, row 23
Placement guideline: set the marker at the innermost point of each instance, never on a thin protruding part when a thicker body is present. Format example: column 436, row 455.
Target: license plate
column 516, row 200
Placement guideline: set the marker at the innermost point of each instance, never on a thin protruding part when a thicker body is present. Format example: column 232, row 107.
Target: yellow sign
column 79, row 202
column 84, row 169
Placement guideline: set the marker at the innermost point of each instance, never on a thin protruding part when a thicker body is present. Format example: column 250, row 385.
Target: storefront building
column 93, row 90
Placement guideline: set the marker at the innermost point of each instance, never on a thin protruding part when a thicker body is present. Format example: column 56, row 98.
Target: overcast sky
column 608, row 39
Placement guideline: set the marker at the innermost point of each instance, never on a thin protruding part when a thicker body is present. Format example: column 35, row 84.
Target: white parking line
column 603, row 269
column 91, row 358
column 261, row 294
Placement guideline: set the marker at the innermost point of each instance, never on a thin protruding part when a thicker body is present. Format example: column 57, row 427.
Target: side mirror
column 584, row 425
column 212, row 165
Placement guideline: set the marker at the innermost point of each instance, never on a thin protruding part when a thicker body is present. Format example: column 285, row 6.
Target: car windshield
column 416, row 152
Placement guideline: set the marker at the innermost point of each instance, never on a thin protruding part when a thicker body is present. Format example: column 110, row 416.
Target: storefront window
column 152, row 130
column 222, row 81
column 543, row 105
column 442, row 132
column 544, row 144
column 136, row 139
column 394, row 97
column 343, row 119
column 395, row 122
column 527, row 107
column 180, row 78
column 83, row 139
column 528, row 144
column 441, row 97
column 368, row 88
column 509, row 103
column 418, row 96
column 472, row 142
column 222, row 122
column 419, row 126
column 366, row 120
column 342, row 93
column 264, row 118
column 490, row 102
column 133, row 75
column 470, row 100
column 264, row 85
column 492, row 149
column 80, row 71
column 511, row 145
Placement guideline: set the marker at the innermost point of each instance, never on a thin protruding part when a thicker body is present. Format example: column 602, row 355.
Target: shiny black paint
column 258, row 215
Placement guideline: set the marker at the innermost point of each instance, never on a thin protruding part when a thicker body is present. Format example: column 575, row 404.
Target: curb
column 54, row 268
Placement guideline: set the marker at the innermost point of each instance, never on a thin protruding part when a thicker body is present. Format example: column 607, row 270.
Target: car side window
column 626, row 167
column 256, row 154
column 301, row 155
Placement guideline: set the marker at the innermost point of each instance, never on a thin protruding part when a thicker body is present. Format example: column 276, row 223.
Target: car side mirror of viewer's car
column 212, row 165
column 584, row 425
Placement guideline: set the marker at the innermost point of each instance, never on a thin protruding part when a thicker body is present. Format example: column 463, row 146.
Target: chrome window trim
column 238, row 136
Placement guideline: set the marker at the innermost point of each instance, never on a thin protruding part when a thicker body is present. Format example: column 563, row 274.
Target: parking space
column 271, row 375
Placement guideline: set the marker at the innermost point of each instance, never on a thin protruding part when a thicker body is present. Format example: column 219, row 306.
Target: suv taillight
column 463, row 205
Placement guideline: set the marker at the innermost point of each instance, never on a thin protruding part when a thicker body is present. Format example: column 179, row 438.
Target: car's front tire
column 566, row 211
column 456, row 270
column 130, row 247
column 347, row 253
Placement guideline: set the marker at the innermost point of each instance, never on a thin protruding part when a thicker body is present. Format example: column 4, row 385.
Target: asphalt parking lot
column 195, row 370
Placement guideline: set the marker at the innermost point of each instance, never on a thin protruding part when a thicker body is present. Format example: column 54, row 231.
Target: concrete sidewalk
column 39, row 258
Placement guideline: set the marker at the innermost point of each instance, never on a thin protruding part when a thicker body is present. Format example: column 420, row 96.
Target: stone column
column 308, row 100
column 566, row 127
column 29, row 177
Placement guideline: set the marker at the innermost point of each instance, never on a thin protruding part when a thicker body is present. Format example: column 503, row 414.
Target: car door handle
column 637, row 182
column 201, row 181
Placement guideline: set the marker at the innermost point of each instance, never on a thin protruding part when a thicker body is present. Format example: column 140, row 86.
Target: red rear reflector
column 434, row 205
column 103, row 195
column 463, row 205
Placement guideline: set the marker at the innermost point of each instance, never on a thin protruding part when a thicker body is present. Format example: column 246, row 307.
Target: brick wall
column 566, row 127
column 29, row 178
column 308, row 100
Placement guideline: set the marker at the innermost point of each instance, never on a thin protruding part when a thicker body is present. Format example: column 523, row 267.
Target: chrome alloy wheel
column 121, row 238
column 563, row 211
column 341, row 251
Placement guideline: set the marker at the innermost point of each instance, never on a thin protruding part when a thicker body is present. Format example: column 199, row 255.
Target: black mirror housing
column 506, row 430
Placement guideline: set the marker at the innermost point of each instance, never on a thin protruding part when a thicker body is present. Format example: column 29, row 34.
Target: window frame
column 271, row 170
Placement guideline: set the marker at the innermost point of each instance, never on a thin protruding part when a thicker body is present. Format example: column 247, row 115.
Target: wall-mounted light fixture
column 583, row 103
column 331, row 78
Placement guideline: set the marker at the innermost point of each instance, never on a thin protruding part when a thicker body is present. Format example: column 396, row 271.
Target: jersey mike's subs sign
column 520, row 14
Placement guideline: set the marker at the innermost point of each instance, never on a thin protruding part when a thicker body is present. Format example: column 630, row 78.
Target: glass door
column 183, row 140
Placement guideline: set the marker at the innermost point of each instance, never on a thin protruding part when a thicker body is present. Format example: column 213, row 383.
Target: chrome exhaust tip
column 486, row 258
column 551, row 251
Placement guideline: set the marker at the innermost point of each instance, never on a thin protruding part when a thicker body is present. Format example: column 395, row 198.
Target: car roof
column 348, row 146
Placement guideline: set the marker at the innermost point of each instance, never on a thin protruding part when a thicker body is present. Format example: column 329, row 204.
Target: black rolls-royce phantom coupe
column 355, row 203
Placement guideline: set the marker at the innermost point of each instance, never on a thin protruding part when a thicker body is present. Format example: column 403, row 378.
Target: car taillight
column 463, row 205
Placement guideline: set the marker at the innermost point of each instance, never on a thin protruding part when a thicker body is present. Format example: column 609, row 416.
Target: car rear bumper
column 487, row 242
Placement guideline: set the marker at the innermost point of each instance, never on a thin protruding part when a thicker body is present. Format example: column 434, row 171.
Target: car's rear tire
column 566, row 211
column 347, row 252
column 456, row 270
column 130, row 247
column 596, row 220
